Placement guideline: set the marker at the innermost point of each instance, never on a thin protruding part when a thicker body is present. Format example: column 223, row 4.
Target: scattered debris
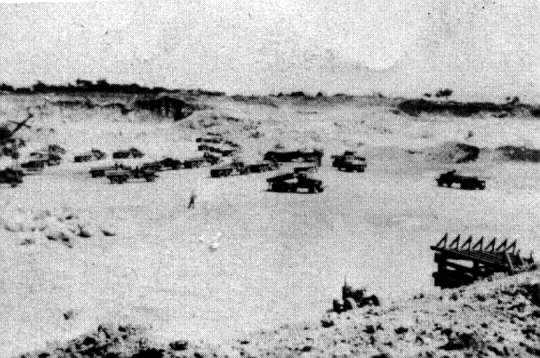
column 61, row 225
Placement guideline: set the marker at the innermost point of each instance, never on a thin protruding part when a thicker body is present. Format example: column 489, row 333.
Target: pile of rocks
column 61, row 225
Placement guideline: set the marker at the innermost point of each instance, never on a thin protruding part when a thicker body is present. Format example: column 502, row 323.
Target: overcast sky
column 479, row 48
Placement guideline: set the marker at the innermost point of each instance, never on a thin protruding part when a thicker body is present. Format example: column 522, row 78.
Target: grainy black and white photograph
column 269, row 178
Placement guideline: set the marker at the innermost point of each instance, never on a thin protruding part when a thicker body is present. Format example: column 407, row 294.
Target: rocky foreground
column 495, row 318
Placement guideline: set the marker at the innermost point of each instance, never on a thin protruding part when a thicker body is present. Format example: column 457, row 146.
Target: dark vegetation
column 520, row 153
column 167, row 106
column 415, row 107
column 100, row 86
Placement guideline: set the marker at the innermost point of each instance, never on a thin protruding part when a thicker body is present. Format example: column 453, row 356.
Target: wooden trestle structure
column 463, row 263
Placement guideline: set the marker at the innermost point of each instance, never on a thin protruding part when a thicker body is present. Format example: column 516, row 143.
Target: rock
column 83, row 232
column 370, row 329
column 107, row 232
column 69, row 315
column 325, row 323
column 461, row 340
column 401, row 330
column 28, row 241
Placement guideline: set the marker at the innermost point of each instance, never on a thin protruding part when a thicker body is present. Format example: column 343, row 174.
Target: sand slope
column 279, row 257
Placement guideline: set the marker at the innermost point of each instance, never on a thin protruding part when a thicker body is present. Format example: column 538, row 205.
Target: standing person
column 192, row 198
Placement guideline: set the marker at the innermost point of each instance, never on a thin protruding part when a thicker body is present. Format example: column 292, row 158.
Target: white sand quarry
column 244, row 258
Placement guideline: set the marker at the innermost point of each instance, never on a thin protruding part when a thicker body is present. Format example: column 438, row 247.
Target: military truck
column 294, row 182
column 171, row 163
column 98, row 172
column 34, row 166
column 56, row 149
column 305, row 169
column 262, row 166
column 120, row 176
column 236, row 167
column 314, row 156
column 223, row 151
column 211, row 159
column 213, row 139
column 129, row 153
column 349, row 161
column 465, row 182
column 48, row 158
column 11, row 176
column 155, row 166
column 192, row 163
column 93, row 154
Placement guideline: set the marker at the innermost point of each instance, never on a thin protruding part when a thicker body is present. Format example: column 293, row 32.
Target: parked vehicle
column 465, row 182
column 171, row 163
column 10, row 176
column 212, row 159
column 155, row 166
column 223, row 151
column 48, row 158
column 194, row 162
column 213, row 139
column 100, row 171
column 349, row 161
column 126, row 154
column 234, row 168
column 120, row 176
column 294, row 182
column 34, row 166
column 262, row 166
column 314, row 156
column 93, row 154
column 56, row 149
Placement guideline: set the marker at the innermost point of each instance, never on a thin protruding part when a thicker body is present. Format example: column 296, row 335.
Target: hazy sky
column 480, row 48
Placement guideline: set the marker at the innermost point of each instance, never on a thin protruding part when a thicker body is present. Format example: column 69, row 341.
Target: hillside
column 279, row 257
column 488, row 319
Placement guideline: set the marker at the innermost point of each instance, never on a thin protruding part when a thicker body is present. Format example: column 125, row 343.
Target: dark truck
column 100, row 171
column 236, row 167
column 241, row 168
column 170, row 163
column 213, row 139
column 465, row 182
column 222, row 150
column 192, row 163
column 293, row 182
column 34, row 166
column 126, row 154
column 314, row 156
column 120, row 176
column 11, row 176
column 49, row 159
column 349, row 161
column 93, row 154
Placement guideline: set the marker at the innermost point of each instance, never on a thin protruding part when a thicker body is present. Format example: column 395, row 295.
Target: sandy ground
column 280, row 257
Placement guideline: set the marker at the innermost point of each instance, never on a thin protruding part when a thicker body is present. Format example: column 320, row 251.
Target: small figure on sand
column 192, row 198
